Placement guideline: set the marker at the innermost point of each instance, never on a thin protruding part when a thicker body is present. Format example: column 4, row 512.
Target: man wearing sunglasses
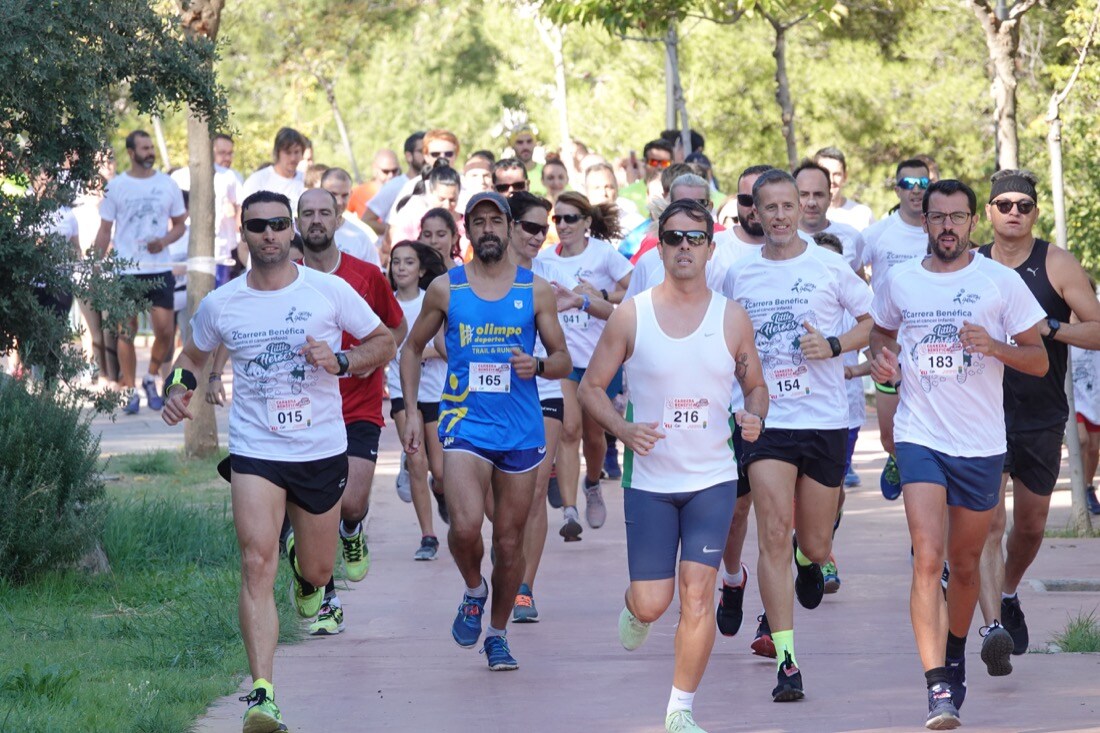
column 682, row 345
column 509, row 175
column 796, row 295
column 656, row 157
column 947, row 326
column 897, row 238
column 377, row 213
column 384, row 168
column 282, row 325
column 1035, row 406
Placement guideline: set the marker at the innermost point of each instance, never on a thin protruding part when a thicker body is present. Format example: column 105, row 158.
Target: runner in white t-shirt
column 954, row 321
column 898, row 238
column 841, row 209
column 796, row 295
column 282, row 176
column 603, row 274
column 145, row 209
column 282, row 325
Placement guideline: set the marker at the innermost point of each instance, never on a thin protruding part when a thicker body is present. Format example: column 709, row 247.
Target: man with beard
column 145, row 210
column 318, row 222
column 941, row 325
column 282, row 325
column 490, row 419
column 796, row 295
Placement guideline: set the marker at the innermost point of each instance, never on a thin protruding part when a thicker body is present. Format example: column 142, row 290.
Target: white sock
column 570, row 511
column 679, row 700
column 355, row 530
column 1008, row 596
column 490, row 631
column 481, row 591
column 334, row 601
column 734, row 580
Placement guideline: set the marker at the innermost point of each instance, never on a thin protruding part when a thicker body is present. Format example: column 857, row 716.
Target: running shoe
column 307, row 604
column 263, row 714
column 133, row 404
column 356, row 554
column 632, row 632
column 730, row 611
column 404, row 485
column 680, row 721
column 330, row 621
column 956, row 680
column 595, row 512
column 1094, row 504
column 152, row 397
column 789, row 688
column 890, row 481
column 831, row 576
column 440, row 501
column 553, row 491
column 611, row 469
column 997, row 649
column 809, row 585
column 570, row 527
column 1012, row 616
column 524, row 611
column 762, row 645
column 942, row 713
column 852, row 479
column 429, row 546
column 466, row 628
column 499, row 656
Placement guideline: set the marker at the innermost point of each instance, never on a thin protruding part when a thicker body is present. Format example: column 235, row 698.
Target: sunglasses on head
column 744, row 199
column 673, row 237
column 442, row 153
column 532, row 228
column 567, row 218
column 506, row 187
column 657, row 163
column 910, row 182
column 259, row 226
column 1024, row 207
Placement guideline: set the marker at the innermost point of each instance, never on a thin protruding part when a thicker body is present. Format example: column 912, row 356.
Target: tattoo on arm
column 742, row 368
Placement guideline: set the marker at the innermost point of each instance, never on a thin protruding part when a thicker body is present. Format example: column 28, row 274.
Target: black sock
column 936, row 676
column 330, row 588
column 956, row 646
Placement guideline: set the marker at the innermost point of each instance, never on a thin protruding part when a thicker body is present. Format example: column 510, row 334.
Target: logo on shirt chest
column 297, row 316
column 803, row 287
column 964, row 298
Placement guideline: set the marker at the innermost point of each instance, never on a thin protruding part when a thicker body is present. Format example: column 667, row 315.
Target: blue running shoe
column 1094, row 504
column 466, row 628
column 152, row 397
column 611, row 467
column 890, row 482
column 852, row 479
column 497, row 652
column 133, row 404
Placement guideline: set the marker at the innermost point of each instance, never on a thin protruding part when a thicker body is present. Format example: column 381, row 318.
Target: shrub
column 50, row 489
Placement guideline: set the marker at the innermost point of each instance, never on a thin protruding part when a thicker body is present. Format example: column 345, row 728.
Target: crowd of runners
column 708, row 350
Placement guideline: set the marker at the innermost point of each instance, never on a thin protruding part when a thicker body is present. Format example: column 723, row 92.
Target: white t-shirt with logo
column 601, row 266
column 888, row 243
column 649, row 271
column 818, row 287
column 349, row 239
column 283, row 408
column 266, row 179
column 849, row 241
column 951, row 400
column 433, row 370
column 550, row 389
column 852, row 213
column 142, row 210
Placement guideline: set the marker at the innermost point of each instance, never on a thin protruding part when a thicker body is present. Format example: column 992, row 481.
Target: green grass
column 1082, row 634
column 148, row 646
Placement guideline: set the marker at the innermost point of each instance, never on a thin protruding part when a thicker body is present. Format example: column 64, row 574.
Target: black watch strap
column 834, row 344
column 342, row 361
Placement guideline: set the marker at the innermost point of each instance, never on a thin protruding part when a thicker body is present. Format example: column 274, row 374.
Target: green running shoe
column 831, row 575
column 308, row 605
column 330, row 621
column 356, row 555
column 890, row 481
column 632, row 632
column 680, row 721
column 263, row 714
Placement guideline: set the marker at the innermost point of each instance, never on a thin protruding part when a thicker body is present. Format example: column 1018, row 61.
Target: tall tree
column 1000, row 20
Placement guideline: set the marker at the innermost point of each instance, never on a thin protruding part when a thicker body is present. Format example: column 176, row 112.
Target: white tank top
column 433, row 371
column 685, row 385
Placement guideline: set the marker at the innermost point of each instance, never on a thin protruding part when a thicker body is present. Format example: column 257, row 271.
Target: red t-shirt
column 650, row 241
column 363, row 396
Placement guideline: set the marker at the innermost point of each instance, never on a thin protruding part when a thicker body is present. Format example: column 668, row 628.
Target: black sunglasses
column 442, row 153
column 258, row 226
column 1024, row 207
column 567, row 218
column 673, row 237
column 744, row 199
column 532, row 228
column 391, row 171
column 505, row 187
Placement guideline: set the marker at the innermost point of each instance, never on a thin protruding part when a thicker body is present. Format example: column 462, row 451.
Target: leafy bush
column 50, row 487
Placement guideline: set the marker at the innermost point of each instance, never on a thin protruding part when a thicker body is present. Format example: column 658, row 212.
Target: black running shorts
column 1034, row 458
column 363, row 440
column 429, row 411
column 819, row 454
column 553, row 408
column 316, row 486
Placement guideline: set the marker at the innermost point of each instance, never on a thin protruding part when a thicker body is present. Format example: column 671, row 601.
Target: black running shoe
column 789, row 688
column 942, row 713
column 997, row 649
column 1012, row 616
column 809, row 585
column 730, row 613
column 956, row 680
column 762, row 645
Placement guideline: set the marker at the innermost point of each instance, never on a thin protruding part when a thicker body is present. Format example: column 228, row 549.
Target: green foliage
column 51, row 683
column 1082, row 634
column 49, row 481
column 157, row 463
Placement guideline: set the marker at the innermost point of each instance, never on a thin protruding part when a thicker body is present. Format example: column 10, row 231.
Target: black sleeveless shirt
column 1033, row 403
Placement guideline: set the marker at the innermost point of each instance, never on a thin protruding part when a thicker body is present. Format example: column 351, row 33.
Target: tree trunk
column 330, row 94
column 554, row 40
column 783, row 92
column 672, row 63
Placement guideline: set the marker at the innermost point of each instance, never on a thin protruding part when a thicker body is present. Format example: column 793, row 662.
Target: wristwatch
column 585, row 302
column 342, row 362
column 834, row 344
column 1053, row 324
column 540, row 366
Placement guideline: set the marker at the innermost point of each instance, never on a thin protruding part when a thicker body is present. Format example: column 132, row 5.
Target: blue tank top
column 484, row 402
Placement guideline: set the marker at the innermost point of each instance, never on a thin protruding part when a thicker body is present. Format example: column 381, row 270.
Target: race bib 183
column 941, row 359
